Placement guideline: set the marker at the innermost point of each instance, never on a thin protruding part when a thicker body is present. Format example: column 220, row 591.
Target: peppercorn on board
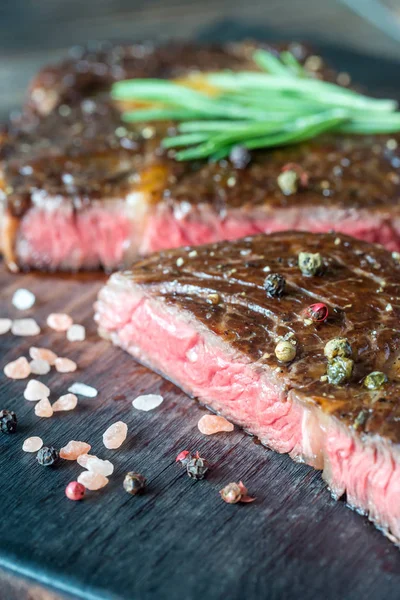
column 112, row 545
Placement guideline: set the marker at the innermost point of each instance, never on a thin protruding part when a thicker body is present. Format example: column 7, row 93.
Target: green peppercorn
column 311, row 264
column 375, row 380
column 337, row 347
column 274, row 285
column 339, row 370
column 288, row 182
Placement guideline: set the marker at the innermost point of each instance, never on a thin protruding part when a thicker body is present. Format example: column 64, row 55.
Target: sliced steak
column 82, row 189
column 203, row 318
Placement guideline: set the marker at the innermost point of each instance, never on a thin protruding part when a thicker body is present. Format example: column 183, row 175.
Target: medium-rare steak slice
column 83, row 189
column 214, row 319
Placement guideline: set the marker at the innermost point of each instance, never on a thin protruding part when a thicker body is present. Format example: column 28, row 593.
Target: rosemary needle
column 279, row 105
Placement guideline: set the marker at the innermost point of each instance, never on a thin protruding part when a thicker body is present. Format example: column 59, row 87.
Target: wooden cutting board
column 179, row 540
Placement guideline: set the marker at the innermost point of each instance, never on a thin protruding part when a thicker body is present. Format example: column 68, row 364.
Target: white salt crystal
column 83, row 459
column 92, row 481
column 32, row 444
column 115, row 435
column 36, row 390
column 39, row 367
column 25, row 327
column 76, row 333
column 147, row 402
column 83, row 390
column 97, row 465
column 5, row 325
column 23, row 299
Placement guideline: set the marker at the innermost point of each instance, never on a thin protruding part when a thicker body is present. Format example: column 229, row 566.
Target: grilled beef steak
column 215, row 319
column 82, row 189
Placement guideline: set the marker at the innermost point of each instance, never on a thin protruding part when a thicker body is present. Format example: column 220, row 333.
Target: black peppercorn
column 274, row 285
column 8, row 421
column 47, row 456
column 197, row 467
column 134, row 483
column 239, row 156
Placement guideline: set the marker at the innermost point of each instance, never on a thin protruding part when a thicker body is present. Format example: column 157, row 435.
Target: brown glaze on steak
column 70, row 129
column 360, row 286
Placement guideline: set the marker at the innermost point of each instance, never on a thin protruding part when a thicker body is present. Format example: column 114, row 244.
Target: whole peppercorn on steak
column 80, row 188
column 321, row 385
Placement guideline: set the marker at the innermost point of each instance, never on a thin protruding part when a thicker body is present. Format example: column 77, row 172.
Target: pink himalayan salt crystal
column 36, row 390
column 67, row 402
column 92, row 481
column 42, row 354
column 25, row 327
column 5, row 325
column 59, row 321
column 65, row 365
column 74, row 449
column 18, row 369
column 39, row 367
column 97, row 465
column 210, row 424
column 43, row 408
column 115, row 435
column 32, row 444
column 83, row 459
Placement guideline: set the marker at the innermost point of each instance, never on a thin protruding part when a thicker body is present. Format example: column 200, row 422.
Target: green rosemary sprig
column 277, row 106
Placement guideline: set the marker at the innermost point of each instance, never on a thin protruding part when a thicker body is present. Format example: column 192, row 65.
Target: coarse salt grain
column 115, row 435
column 18, row 369
column 5, row 325
column 74, row 449
column 147, row 402
column 36, row 390
column 210, row 424
column 83, row 390
column 32, row 444
column 92, row 481
column 83, row 459
column 43, row 354
column 25, row 327
column 23, row 299
column 66, row 402
column 59, row 321
column 97, row 465
column 65, row 365
column 43, row 408
column 39, row 367
column 76, row 333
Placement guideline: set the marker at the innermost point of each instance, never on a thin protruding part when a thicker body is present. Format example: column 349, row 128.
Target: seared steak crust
column 70, row 150
column 222, row 286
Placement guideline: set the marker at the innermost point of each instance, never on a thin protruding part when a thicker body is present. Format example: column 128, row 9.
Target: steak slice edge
column 202, row 318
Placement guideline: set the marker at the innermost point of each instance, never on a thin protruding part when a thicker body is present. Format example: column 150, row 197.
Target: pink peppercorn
column 75, row 490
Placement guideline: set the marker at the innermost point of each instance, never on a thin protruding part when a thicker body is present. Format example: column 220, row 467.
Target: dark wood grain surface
column 179, row 540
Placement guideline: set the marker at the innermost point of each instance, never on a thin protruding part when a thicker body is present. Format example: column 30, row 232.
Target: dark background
column 33, row 32
column 179, row 541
